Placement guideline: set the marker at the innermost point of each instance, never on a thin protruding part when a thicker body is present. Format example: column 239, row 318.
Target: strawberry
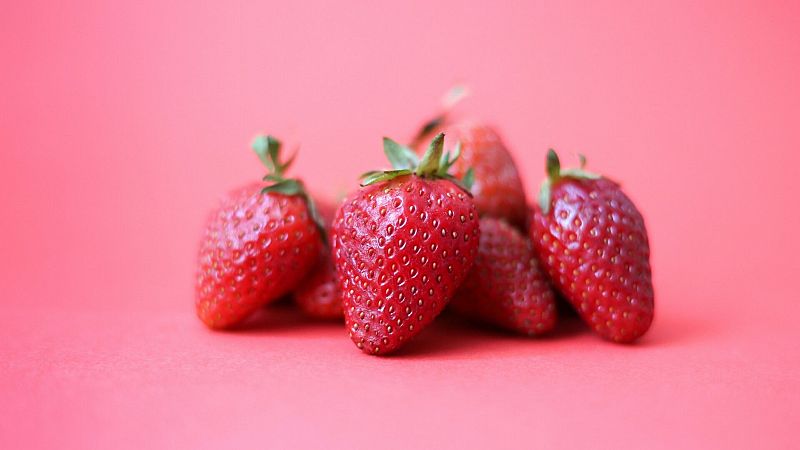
column 318, row 295
column 505, row 286
column 402, row 245
column 257, row 245
column 497, row 188
column 593, row 244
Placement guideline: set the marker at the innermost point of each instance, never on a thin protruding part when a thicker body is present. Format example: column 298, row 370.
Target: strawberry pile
column 449, row 226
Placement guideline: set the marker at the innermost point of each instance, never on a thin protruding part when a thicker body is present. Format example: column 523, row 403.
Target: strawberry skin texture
column 402, row 247
column 593, row 244
column 256, row 248
column 505, row 286
column 497, row 189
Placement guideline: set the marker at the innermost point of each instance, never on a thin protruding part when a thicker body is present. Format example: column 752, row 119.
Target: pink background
column 121, row 125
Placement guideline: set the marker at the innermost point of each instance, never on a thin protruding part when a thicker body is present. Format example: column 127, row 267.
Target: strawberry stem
column 435, row 164
column 553, row 165
column 555, row 173
column 451, row 98
column 268, row 149
column 429, row 165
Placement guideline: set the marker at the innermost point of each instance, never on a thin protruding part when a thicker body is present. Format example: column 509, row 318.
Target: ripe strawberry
column 592, row 242
column 402, row 246
column 257, row 245
column 497, row 189
column 318, row 295
column 505, row 286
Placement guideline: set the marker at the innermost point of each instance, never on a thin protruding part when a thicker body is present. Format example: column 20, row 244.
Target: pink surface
column 120, row 126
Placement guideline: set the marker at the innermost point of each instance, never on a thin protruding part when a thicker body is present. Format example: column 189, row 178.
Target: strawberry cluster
column 448, row 226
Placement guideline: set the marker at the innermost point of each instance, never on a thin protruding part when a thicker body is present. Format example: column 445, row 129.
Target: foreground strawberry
column 257, row 245
column 497, row 188
column 402, row 246
column 592, row 242
column 505, row 286
column 318, row 295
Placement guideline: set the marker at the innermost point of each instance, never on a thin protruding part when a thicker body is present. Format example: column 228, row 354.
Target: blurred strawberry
column 497, row 187
column 593, row 244
column 318, row 295
column 505, row 286
column 257, row 246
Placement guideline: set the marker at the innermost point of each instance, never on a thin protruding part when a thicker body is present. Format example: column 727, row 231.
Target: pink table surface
column 121, row 125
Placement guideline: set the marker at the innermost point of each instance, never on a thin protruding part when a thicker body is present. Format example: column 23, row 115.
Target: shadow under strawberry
column 449, row 335
column 455, row 337
column 283, row 317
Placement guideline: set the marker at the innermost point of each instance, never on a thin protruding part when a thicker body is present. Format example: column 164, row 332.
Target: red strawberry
column 505, row 286
column 402, row 246
column 592, row 242
column 257, row 245
column 318, row 295
column 497, row 187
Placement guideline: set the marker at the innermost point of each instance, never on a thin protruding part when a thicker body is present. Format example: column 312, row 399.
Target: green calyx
column 268, row 149
column 434, row 164
column 556, row 173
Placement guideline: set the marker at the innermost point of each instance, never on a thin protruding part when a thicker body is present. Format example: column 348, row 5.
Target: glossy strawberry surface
column 593, row 243
column 401, row 247
column 255, row 248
